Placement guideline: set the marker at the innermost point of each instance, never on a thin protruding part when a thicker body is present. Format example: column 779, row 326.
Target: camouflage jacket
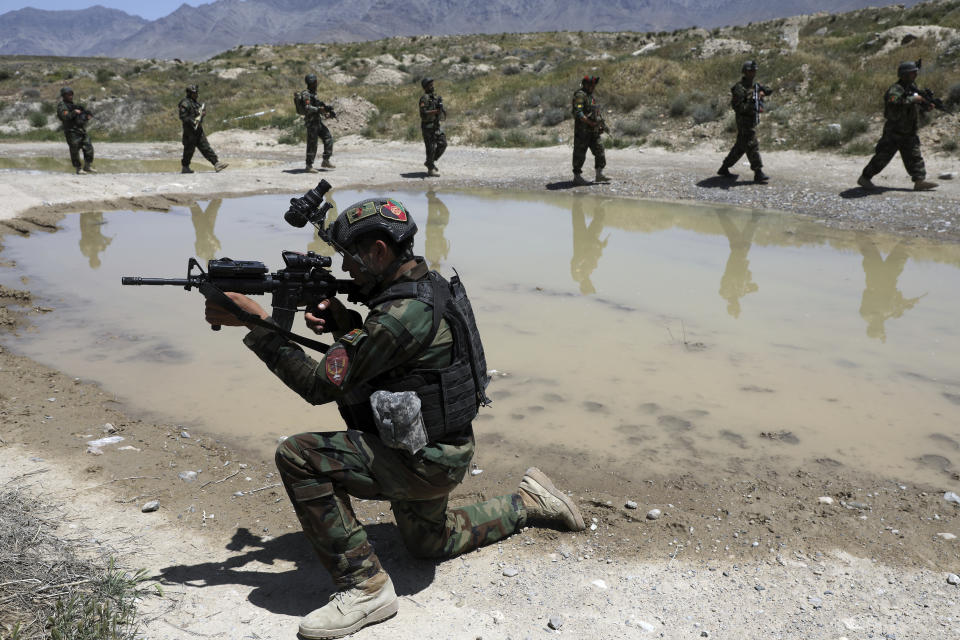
column 72, row 121
column 585, row 106
column 901, row 113
column 431, row 102
column 741, row 99
column 388, row 341
column 189, row 109
column 314, row 107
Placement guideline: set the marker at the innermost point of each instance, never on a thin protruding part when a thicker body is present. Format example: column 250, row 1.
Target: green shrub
column 506, row 118
column 104, row 75
column 38, row 119
column 633, row 127
column 953, row 95
column 705, row 113
column 678, row 107
column 852, row 125
column 553, row 116
column 950, row 145
column 829, row 137
column 5, row 75
column 48, row 107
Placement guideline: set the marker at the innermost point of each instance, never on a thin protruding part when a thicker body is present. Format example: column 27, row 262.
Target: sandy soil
column 744, row 549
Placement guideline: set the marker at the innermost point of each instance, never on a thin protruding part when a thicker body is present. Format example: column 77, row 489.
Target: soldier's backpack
column 299, row 104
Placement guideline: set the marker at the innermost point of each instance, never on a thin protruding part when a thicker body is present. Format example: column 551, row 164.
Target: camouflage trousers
column 435, row 142
column 584, row 139
column 318, row 131
column 322, row 470
column 746, row 143
column 909, row 148
column 78, row 141
column 196, row 139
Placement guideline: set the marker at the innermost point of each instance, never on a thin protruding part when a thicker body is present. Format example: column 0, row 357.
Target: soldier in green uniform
column 588, row 126
column 314, row 109
column 901, row 108
column 191, row 113
column 432, row 115
column 747, row 102
column 74, row 118
column 420, row 336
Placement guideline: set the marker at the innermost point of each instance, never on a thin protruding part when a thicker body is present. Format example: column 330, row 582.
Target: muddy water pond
column 664, row 335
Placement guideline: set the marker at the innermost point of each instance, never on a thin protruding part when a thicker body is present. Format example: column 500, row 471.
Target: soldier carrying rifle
column 191, row 116
column 313, row 110
column 74, row 118
column 588, row 126
column 747, row 102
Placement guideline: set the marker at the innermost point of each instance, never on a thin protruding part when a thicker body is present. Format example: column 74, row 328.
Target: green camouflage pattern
column 194, row 139
column 72, row 121
column 316, row 130
column 75, row 132
column 322, row 470
column 434, row 139
column 430, row 102
column 745, row 111
column 584, row 105
column 899, row 134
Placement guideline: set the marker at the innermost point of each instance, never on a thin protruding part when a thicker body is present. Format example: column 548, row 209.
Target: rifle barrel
column 137, row 280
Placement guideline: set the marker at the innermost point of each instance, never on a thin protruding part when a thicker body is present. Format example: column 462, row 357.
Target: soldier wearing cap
column 314, row 110
column 191, row 113
column 74, row 118
column 432, row 115
column 901, row 108
column 588, row 126
column 419, row 335
column 747, row 102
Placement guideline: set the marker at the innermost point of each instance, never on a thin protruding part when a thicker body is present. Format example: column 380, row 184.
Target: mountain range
column 197, row 33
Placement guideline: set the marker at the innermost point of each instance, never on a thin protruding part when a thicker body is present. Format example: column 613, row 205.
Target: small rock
column 35, row 459
column 187, row 476
column 476, row 472
column 631, row 504
column 153, row 505
column 953, row 579
column 109, row 428
column 593, row 526
column 184, row 434
column 816, row 602
column 704, row 634
column 641, row 624
column 555, row 622
column 947, row 536
column 238, row 494
column 653, row 514
column 948, row 175
column 600, row 584
column 498, row 616
column 510, row 572
column 825, row 500
column 94, row 451
column 950, row 496
column 760, row 587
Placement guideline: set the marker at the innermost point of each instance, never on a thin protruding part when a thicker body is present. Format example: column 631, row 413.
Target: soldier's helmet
column 64, row 91
column 749, row 65
column 591, row 80
column 373, row 214
column 192, row 88
column 906, row 67
column 426, row 81
column 310, row 79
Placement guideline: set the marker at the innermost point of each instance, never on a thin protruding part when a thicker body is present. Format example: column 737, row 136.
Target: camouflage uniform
column 322, row 470
column 194, row 137
column 584, row 136
column 746, row 116
column 899, row 133
column 316, row 130
column 75, row 131
column 434, row 139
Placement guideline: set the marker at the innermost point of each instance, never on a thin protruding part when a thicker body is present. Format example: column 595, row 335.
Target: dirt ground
column 744, row 548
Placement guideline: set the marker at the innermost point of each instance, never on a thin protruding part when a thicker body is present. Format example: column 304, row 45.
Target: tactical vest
column 450, row 397
column 299, row 103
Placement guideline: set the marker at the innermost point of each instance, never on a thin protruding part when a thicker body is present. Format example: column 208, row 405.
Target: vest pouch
column 398, row 420
column 298, row 103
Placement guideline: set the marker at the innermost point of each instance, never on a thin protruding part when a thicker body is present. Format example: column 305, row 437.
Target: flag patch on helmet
column 393, row 210
column 360, row 212
column 337, row 362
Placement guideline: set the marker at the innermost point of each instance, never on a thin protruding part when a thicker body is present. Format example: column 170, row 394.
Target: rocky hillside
column 196, row 33
column 657, row 88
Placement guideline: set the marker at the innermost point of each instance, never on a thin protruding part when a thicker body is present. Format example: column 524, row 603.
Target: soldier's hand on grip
column 218, row 316
column 328, row 315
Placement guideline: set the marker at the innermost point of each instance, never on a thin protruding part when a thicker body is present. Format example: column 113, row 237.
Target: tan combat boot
column 311, row 169
column 579, row 180
column 924, row 185
column 220, row 166
column 432, row 172
column 348, row 611
column 81, row 172
column 89, row 169
column 542, row 499
column 326, row 164
column 600, row 177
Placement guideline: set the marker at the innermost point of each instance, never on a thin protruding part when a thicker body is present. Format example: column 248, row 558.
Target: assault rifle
column 199, row 118
column 758, row 100
column 929, row 98
column 304, row 282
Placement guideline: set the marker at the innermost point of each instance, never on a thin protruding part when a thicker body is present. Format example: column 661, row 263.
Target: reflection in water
column 317, row 245
column 436, row 246
column 92, row 240
column 587, row 245
column 206, row 244
column 881, row 297
column 737, row 281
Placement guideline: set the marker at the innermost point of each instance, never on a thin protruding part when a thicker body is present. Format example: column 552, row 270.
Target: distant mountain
column 196, row 33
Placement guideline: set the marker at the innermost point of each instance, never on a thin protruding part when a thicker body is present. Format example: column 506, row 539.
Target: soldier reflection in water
column 436, row 246
column 587, row 245
column 207, row 245
column 881, row 297
column 92, row 240
column 317, row 245
column 737, row 281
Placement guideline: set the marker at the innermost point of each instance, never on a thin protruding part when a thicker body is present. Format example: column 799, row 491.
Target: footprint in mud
column 518, row 416
column 554, row 397
column 935, row 462
column 696, row 413
column 952, row 397
column 755, row 389
column 735, row 438
column 942, row 439
column 535, row 408
column 648, row 408
column 594, row 407
column 846, row 364
column 500, row 395
column 639, row 440
column 829, row 462
column 675, row 423
column 631, row 428
column 780, row 436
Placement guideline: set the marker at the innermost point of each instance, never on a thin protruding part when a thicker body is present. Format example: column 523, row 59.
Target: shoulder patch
column 337, row 363
column 353, row 337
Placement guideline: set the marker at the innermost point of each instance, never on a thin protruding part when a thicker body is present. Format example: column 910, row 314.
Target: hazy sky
column 149, row 10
